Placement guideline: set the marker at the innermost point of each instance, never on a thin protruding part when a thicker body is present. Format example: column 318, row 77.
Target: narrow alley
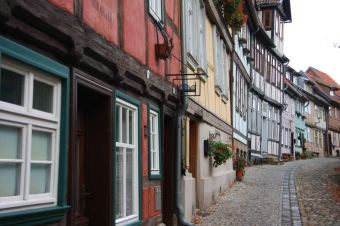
column 304, row 192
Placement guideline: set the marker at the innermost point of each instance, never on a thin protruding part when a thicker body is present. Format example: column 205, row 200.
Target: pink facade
column 134, row 30
column 171, row 7
column 155, row 64
column 101, row 16
column 66, row 5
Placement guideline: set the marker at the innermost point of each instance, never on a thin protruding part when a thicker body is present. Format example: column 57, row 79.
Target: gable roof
column 320, row 78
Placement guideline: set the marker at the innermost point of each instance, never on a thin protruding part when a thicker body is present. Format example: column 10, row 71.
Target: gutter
column 178, row 151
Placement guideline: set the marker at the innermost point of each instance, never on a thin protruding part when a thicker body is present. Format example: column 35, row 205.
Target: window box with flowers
column 238, row 165
column 242, row 41
column 221, row 152
column 250, row 59
column 246, row 51
column 233, row 13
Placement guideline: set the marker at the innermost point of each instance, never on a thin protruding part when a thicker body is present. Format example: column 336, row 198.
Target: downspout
column 231, row 85
column 327, row 136
column 280, row 124
column 180, row 113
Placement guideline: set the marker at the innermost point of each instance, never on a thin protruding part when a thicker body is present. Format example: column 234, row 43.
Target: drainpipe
column 180, row 113
column 327, row 136
column 280, row 124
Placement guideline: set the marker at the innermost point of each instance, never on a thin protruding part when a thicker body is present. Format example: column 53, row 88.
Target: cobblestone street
column 303, row 192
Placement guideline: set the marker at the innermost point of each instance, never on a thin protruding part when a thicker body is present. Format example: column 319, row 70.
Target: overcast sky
column 310, row 37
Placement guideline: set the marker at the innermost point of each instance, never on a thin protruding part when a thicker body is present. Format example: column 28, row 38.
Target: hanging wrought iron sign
column 191, row 87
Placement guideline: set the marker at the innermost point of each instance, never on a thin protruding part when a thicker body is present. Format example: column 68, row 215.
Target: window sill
column 34, row 216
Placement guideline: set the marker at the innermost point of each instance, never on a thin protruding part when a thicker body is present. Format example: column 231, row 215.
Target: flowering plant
column 239, row 164
column 233, row 13
column 221, row 152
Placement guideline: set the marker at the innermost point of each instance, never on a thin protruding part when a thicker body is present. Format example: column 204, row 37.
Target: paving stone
column 291, row 194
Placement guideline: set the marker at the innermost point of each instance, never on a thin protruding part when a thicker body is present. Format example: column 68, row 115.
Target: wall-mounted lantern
column 207, row 147
column 146, row 131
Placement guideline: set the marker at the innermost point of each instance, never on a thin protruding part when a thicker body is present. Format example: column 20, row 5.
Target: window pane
column 10, row 179
column 120, row 183
column 118, row 125
column 42, row 97
column 40, row 178
column 124, row 125
column 10, row 140
column 12, row 87
column 130, row 127
column 41, row 145
column 129, row 182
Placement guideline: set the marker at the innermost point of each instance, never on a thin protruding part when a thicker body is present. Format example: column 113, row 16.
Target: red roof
column 319, row 77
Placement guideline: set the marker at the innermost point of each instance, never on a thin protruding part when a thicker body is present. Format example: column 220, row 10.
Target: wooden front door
column 168, row 195
column 90, row 185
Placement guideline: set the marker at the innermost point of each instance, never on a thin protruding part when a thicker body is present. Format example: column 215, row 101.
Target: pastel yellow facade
column 209, row 98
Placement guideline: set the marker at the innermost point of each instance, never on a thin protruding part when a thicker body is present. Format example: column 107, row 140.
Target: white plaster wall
column 188, row 196
column 211, row 181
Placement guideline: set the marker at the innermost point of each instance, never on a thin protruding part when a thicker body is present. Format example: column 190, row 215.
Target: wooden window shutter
column 267, row 19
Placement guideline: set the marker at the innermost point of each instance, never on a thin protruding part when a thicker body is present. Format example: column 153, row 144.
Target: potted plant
column 246, row 51
column 250, row 59
column 233, row 13
column 221, row 152
column 238, row 165
column 163, row 51
column 304, row 155
column 297, row 155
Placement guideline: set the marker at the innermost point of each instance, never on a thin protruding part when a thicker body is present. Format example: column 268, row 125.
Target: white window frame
column 330, row 111
column 134, row 146
column 29, row 119
column 295, row 80
column 220, row 67
column 308, row 109
column 307, row 132
column 156, row 9
column 196, row 36
column 334, row 138
column 335, row 112
column 154, row 142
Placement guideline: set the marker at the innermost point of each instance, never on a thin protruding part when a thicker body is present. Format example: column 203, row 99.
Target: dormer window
column 295, row 80
column 267, row 19
column 308, row 88
column 331, row 93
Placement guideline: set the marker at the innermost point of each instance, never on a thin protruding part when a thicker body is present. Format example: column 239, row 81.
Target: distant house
column 328, row 89
column 316, row 119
